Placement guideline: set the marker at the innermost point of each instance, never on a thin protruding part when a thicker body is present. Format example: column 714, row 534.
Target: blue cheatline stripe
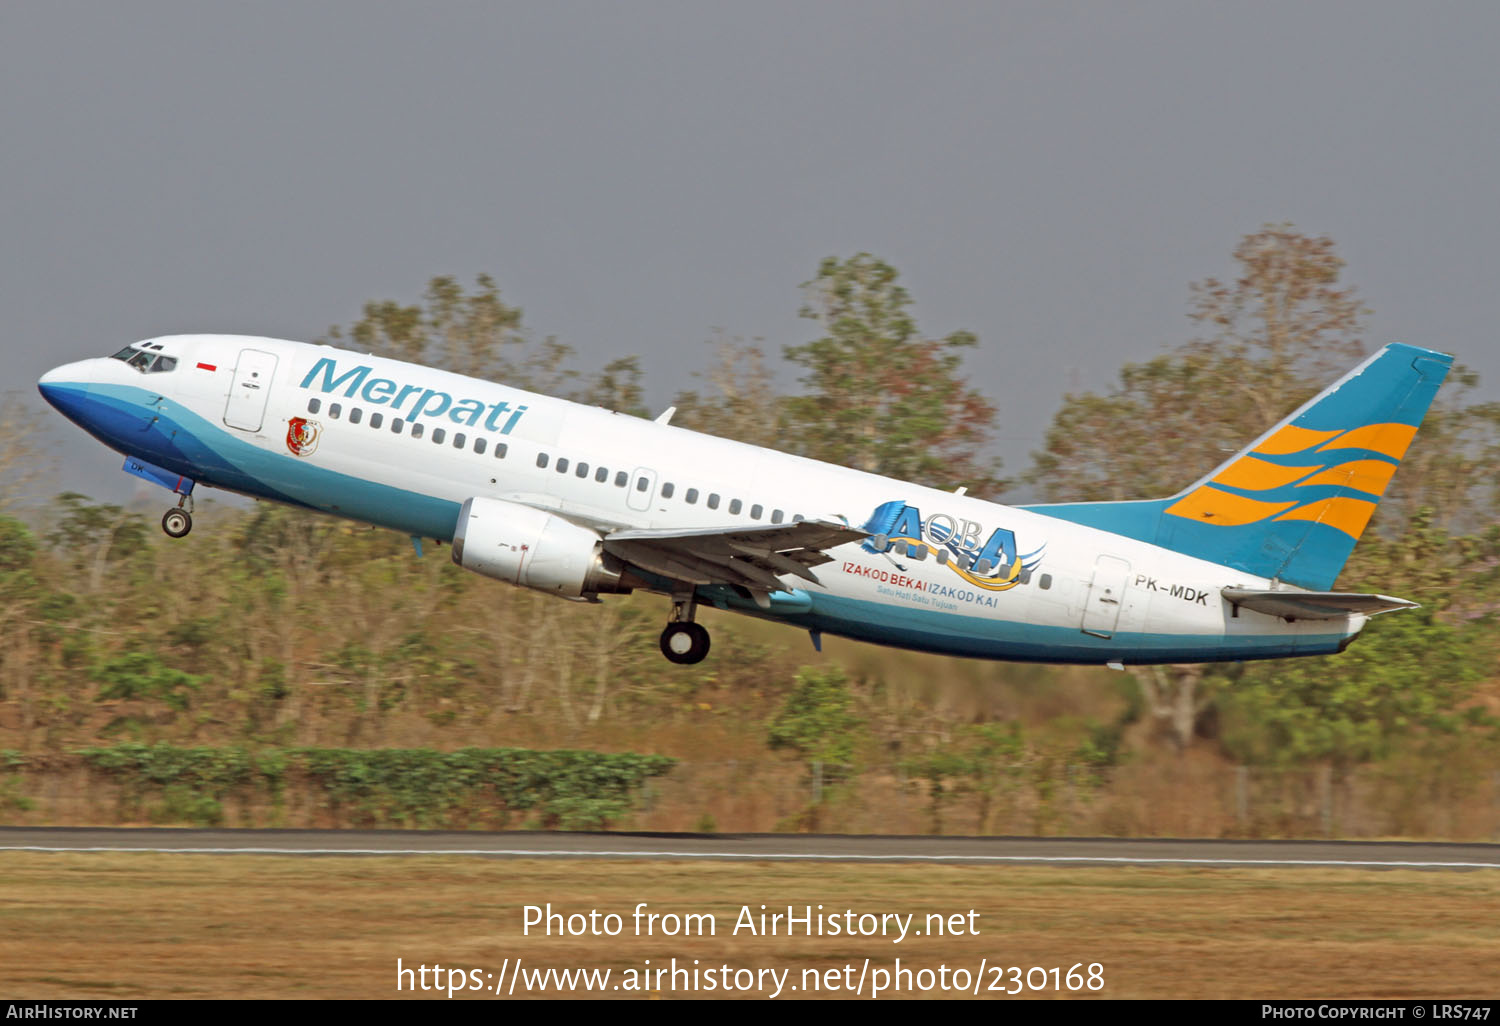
column 185, row 443
column 952, row 633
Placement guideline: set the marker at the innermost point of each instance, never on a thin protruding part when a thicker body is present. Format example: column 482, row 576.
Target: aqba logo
column 994, row 565
column 302, row 435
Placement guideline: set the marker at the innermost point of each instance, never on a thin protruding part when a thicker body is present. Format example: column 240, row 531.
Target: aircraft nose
column 67, row 387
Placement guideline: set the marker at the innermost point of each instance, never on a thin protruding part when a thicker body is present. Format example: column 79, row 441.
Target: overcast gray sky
column 636, row 174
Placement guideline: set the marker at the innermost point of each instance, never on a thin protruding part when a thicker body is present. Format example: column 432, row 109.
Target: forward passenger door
column 250, row 391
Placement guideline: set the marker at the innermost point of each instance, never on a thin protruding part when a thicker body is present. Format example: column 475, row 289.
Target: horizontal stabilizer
column 1314, row 605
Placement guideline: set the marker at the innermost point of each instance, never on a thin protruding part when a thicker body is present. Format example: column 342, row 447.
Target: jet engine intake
column 534, row 549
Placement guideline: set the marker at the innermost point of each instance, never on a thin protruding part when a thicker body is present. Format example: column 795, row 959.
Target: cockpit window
column 146, row 361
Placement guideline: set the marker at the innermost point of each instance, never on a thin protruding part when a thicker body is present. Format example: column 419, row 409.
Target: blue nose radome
column 67, row 387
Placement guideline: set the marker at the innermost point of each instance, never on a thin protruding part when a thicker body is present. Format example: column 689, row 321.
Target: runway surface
column 1100, row 851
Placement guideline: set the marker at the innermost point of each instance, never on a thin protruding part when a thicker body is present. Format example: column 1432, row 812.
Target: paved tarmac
column 1096, row 851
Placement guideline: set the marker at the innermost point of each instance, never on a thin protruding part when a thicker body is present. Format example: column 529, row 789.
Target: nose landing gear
column 178, row 520
column 684, row 642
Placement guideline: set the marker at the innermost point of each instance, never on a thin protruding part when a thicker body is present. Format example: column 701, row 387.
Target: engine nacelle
column 533, row 548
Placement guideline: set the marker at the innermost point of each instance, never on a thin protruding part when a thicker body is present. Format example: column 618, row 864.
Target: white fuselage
column 1087, row 595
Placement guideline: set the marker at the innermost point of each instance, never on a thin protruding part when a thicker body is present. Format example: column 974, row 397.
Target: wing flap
column 1314, row 605
column 746, row 557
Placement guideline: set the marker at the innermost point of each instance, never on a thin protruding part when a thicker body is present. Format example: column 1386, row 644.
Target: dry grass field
column 119, row 926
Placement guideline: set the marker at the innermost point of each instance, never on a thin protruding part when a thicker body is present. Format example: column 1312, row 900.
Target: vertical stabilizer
column 1292, row 504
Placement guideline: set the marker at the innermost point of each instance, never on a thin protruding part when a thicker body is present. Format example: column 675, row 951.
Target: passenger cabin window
column 756, row 511
column 1044, row 582
column 713, row 500
column 416, row 429
column 396, row 425
column 776, row 516
column 355, row 414
column 642, row 483
column 334, row 410
column 376, row 419
column 601, row 475
column 458, row 440
column 582, row 471
column 622, row 479
column 501, row 449
column 667, row 490
column 735, row 505
column 562, row 465
column 438, row 434
column 479, row 445
column 314, row 405
column 797, row 518
column 541, row 460
column 691, row 496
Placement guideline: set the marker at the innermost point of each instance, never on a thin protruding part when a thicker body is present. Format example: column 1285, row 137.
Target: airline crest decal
column 992, row 564
column 302, row 436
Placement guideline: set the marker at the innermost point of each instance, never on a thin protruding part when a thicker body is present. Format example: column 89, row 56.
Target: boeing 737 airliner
column 578, row 501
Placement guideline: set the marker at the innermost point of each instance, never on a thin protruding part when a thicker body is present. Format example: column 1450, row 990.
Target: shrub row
column 414, row 787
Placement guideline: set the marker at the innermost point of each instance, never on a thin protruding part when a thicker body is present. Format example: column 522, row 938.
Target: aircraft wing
column 1314, row 605
column 746, row 557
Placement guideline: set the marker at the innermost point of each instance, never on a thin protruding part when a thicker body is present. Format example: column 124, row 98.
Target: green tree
column 22, row 463
column 18, row 548
column 1408, row 680
column 92, row 535
column 879, row 396
column 741, row 402
column 466, row 333
column 1449, row 468
column 142, row 676
column 21, row 593
column 1275, row 336
column 475, row 333
column 618, row 387
column 818, row 722
column 984, row 759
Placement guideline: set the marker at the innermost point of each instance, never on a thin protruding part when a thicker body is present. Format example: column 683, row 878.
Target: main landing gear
column 684, row 642
column 178, row 520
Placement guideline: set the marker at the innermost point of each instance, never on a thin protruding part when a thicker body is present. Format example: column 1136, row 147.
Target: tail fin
column 1292, row 504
